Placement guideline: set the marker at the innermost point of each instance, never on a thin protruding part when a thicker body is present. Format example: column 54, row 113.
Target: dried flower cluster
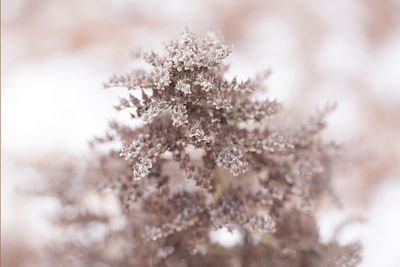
column 208, row 156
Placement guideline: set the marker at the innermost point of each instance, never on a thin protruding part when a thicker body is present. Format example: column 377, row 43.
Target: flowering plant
column 209, row 155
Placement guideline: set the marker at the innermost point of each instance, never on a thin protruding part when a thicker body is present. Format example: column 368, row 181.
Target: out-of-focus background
column 56, row 54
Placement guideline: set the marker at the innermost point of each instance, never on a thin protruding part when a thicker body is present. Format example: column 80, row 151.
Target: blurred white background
column 56, row 54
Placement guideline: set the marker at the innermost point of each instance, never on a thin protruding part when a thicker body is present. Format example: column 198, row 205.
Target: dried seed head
column 179, row 115
column 183, row 87
column 232, row 159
